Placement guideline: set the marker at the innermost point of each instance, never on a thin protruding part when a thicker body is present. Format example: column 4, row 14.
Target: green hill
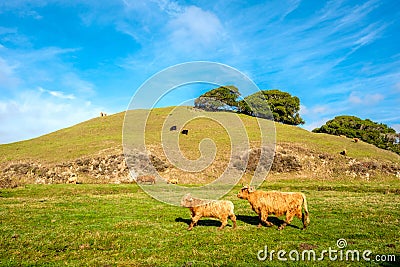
column 299, row 152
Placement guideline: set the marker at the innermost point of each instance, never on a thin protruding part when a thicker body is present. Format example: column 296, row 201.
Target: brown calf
column 220, row 209
column 276, row 203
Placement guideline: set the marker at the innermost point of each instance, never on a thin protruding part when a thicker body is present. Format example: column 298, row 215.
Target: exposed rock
column 115, row 167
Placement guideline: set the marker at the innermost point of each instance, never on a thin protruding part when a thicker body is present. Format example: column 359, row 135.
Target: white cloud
column 304, row 110
column 314, row 111
column 33, row 113
column 397, row 87
column 74, row 82
column 194, row 29
column 292, row 6
column 170, row 7
column 396, row 127
column 57, row 94
column 315, row 124
column 8, row 77
column 367, row 99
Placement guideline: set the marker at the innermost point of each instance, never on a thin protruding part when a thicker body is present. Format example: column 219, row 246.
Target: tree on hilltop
column 221, row 98
column 378, row 134
column 273, row 104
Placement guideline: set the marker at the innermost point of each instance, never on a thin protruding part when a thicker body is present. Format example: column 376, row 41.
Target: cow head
column 187, row 201
column 245, row 191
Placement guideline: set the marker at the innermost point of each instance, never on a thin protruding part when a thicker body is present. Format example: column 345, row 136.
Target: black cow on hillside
column 185, row 131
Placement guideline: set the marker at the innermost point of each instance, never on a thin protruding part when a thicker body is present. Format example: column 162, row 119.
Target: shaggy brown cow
column 277, row 203
column 220, row 209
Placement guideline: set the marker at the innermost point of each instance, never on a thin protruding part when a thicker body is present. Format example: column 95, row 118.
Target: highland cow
column 278, row 204
column 220, row 209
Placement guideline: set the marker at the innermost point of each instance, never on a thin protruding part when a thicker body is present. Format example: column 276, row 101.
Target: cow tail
column 306, row 217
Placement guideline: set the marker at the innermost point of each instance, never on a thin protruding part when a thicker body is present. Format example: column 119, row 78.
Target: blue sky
column 63, row 62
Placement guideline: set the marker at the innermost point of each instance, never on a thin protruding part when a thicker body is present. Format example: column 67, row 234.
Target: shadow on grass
column 254, row 220
column 202, row 222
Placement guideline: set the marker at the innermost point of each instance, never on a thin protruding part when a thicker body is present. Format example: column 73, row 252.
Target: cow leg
column 264, row 219
column 224, row 222
column 289, row 218
column 260, row 223
column 195, row 219
column 233, row 219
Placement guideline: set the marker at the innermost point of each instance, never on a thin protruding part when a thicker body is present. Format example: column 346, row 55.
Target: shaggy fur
column 278, row 204
column 220, row 209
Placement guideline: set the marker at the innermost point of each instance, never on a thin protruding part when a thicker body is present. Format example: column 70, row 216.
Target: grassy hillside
column 102, row 133
column 82, row 139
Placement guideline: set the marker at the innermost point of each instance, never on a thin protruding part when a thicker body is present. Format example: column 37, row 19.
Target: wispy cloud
column 57, row 94
column 8, row 78
column 366, row 99
column 396, row 127
column 189, row 35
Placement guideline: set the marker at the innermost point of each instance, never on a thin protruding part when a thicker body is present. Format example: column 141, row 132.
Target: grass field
column 119, row 225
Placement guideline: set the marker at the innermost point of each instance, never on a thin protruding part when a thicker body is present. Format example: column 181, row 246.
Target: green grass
column 119, row 225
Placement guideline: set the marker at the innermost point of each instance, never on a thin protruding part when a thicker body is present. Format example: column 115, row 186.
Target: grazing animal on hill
column 173, row 128
column 146, row 179
column 356, row 140
column 220, row 209
column 103, row 114
column 265, row 203
column 185, row 132
column 344, row 152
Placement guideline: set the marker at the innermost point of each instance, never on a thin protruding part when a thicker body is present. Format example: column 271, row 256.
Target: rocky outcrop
column 114, row 167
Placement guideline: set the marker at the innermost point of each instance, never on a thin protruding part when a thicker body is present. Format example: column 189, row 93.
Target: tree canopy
column 267, row 103
column 378, row 134
column 270, row 104
column 221, row 98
